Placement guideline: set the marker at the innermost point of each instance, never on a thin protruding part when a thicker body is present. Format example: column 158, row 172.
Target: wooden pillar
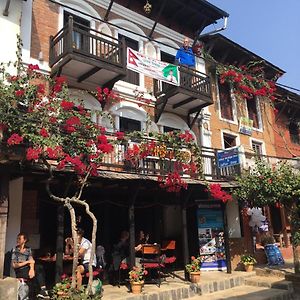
column 4, row 193
column 226, row 240
column 284, row 227
column 59, row 242
column 134, row 192
column 185, row 242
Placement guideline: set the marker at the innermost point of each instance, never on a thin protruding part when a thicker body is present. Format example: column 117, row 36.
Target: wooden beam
column 196, row 109
column 4, row 194
column 88, row 74
column 159, row 111
column 191, row 124
column 183, row 102
column 108, row 10
column 157, row 18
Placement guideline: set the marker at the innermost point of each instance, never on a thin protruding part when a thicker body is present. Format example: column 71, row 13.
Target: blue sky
column 269, row 28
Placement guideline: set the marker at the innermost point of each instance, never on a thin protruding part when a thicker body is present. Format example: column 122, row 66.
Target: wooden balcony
column 87, row 57
column 189, row 98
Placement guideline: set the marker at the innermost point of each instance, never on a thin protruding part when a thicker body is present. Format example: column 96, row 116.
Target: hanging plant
column 248, row 81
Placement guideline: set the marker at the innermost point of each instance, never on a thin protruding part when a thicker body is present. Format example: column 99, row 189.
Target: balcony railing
column 191, row 81
column 90, row 49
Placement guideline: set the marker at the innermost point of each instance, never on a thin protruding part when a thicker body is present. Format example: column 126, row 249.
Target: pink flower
column 33, row 154
column 44, row 132
column 14, row 139
column 19, row 93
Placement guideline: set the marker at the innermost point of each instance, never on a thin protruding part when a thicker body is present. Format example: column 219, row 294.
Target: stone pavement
column 176, row 289
column 266, row 283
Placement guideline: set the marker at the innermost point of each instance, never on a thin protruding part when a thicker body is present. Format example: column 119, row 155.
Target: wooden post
column 134, row 194
column 226, row 240
column 59, row 243
column 284, row 225
column 4, row 193
column 185, row 242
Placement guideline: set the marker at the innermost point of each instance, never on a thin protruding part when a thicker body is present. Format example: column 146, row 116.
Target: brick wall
column 44, row 24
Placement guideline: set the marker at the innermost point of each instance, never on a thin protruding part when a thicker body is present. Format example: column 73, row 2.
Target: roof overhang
column 227, row 51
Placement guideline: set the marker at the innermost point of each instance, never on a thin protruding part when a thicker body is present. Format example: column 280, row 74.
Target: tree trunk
column 75, row 240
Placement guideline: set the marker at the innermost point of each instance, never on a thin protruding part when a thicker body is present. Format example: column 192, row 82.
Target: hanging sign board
column 154, row 68
column 228, row 157
column 245, row 126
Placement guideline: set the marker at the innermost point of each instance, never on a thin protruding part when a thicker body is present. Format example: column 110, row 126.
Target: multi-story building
column 87, row 42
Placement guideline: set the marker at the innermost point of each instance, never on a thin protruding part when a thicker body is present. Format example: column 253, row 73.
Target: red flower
column 55, row 153
column 60, row 80
column 41, row 88
column 105, row 148
column 44, row 132
column 106, row 91
column 120, row 135
column 218, row 194
column 33, row 154
column 52, row 120
column 102, row 139
column 14, row 139
column 19, row 93
column 32, row 67
column 67, row 105
column 73, row 121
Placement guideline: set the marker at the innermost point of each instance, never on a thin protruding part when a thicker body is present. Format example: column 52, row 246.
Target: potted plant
column 194, row 269
column 136, row 278
column 62, row 289
column 248, row 261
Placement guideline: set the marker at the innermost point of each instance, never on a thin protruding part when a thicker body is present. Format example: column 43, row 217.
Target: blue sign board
column 227, row 158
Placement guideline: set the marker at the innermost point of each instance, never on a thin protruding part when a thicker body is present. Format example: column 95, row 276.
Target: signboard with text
column 228, row 157
column 245, row 126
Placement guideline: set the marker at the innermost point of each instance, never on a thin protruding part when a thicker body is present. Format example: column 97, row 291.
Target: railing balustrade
column 78, row 39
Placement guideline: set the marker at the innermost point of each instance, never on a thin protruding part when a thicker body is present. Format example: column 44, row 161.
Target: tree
column 273, row 185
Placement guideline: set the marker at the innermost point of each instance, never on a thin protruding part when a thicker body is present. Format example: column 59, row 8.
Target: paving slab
column 247, row 293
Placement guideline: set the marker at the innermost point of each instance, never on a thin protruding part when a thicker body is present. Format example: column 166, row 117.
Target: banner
column 246, row 126
column 154, row 68
column 211, row 239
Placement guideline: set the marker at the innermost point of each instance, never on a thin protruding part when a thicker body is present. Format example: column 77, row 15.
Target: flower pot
column 136, row 287
column 195, row 277
column 248, row 268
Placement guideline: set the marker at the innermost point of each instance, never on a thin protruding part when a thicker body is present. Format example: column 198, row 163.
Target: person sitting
column 25, row 266
column 141, row 239
column 84, row 253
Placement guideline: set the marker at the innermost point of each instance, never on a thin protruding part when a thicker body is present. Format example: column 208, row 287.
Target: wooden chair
column 168, row 248
column 152, row 260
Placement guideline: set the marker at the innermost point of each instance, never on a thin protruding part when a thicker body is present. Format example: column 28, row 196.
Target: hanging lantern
column 147, row 7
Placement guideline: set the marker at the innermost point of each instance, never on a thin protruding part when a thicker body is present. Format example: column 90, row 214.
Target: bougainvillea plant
column 248, row 81
column 217, row 193
column 277, row 185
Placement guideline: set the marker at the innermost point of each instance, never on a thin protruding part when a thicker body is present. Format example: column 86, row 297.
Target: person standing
column 25, row 267
column 185, row 55
column 84, row 253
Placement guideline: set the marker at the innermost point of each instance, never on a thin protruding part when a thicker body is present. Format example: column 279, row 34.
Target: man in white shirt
column 85, row 248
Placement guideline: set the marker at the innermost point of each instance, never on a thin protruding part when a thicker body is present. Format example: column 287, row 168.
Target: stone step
column 247, row 293
column 265, row 271
column 270, row 282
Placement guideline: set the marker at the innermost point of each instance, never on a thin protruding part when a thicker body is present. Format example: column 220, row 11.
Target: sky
column 269, row 28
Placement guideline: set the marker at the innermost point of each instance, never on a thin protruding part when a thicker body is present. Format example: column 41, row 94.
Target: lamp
column 147, row 7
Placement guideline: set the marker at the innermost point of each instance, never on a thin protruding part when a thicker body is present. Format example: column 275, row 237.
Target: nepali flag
column 131, row 57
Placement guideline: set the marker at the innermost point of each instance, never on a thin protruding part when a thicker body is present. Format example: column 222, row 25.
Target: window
column 129, row 125
column 131, row 77
column 252, row 112
column 80, row 41
column 294, row 132
column 257, row 147
column 225, row 102
column 169, row 129
column 229, row 140
column 166, row 57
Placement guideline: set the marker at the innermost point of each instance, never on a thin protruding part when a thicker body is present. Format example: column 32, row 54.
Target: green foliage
column 248, row 259
column 266, row 185
column 195, row 265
